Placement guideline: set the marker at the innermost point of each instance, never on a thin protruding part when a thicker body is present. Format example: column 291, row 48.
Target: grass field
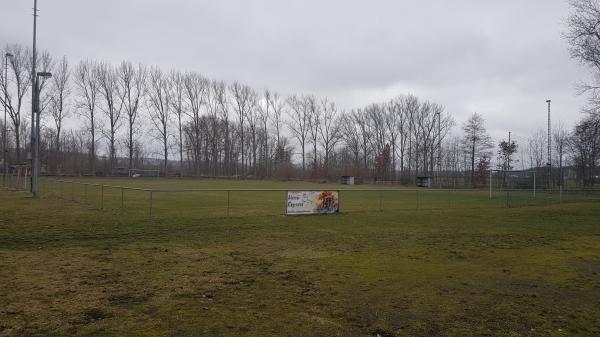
column 453, row 265
column 174, row 198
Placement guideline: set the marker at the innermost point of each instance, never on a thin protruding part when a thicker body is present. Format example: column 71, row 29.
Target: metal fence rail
column 212, row 202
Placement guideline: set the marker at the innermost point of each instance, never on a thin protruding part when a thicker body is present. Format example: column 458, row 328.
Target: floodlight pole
column 549, row 147
column 4, row 138
column 439, row 149
column 509, row 149
column 34, row 100
column 36, row 149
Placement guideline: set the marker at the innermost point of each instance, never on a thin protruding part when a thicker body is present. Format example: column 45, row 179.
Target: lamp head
column 8, row 55
column 44, row 74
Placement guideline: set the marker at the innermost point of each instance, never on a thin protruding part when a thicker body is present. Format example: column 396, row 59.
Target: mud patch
column 91, row 315
column 128, row 297
column 304, row 253
column 588, row 268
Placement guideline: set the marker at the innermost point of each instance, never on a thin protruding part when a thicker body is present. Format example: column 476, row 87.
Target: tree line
column 101, row 118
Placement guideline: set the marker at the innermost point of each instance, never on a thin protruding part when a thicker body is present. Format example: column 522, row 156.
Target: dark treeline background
column 104, row 119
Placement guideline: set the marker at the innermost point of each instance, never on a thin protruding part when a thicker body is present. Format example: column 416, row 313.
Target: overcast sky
column 502, row 59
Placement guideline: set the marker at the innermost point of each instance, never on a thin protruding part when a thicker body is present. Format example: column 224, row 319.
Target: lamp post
column 4, row 149
column 35, row 172
column 34, row 86
column 439, row 157
column 549, row 164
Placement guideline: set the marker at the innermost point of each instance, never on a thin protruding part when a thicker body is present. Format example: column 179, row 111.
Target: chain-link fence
column 206, row 203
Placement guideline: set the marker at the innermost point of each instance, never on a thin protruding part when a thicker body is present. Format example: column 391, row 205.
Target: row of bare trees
column 101, row 118
column 207, row 127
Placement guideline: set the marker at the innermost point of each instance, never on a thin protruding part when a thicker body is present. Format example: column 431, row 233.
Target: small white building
column 347, row 180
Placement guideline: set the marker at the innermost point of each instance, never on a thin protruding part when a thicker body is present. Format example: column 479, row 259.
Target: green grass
column 459, row 265
column 189, row 204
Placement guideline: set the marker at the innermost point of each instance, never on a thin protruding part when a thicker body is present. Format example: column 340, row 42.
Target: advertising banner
column 312, row 202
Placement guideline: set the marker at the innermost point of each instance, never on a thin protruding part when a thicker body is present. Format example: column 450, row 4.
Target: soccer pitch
column 450, row 263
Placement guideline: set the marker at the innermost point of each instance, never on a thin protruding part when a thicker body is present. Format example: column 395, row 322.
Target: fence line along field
column 455, row 264
column 217, row 198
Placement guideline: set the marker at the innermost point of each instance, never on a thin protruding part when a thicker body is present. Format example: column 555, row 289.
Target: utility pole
column 4, row 144
column 439, row 150
column 34, row 87
column 549, row 164
column 508, row 157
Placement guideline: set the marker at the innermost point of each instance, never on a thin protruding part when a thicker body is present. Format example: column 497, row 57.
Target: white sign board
column 312, row 202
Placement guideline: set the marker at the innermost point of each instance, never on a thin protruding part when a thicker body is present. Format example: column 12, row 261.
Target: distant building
column 347, row 180
column 424, row 181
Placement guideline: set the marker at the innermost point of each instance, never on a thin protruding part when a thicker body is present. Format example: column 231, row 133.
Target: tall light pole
column 549, row 164
column 4, row 149
column 439, row 177
column 34, row 99
column 509, row 152
column 36, row 149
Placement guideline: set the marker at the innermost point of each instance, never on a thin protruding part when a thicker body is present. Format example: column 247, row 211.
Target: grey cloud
column 500, row 58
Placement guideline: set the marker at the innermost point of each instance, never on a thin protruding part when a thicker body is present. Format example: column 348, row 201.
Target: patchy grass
column 68, row 269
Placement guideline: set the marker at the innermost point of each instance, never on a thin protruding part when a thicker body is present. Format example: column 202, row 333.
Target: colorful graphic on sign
column 312, row 202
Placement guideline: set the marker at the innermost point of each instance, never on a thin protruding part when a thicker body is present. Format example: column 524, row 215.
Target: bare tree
column 59, row 95
column 585, row 148
column 359, row 117
column 298, row 123
column 476, row 140
column 88, row 90
column 560, row 137
column 242, row 102
column 132, row 83
column 329, row 131
column 277, row 110
column 216, row 101
column 583, row 37
column 374, row 115
column 265, row 116
column 112, row 107
column 196, row 88
column 351, row 138
column 252, row 117
column 177, row 101
column 222, row 103
column 536, row 147
column 21, row 79
column 392, row 119
column 158, row 90
column 314, row 125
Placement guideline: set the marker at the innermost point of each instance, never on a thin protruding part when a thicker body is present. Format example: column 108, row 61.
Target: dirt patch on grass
column 304, row 253
column 128, row 297
column 588, row 268
column 91, row 315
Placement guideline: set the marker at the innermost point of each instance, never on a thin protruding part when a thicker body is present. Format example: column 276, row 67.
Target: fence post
column 418, row 201
column 534, row 184
column 228, row 192
column 285, row 203
column 490, row 184
column 150, row 211
column 561, row 188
